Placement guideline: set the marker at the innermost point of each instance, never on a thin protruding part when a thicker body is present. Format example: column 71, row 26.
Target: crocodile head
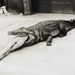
column 20, row 32
column 23, row 32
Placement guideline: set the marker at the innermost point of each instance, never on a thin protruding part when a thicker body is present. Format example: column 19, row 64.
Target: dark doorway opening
column 2, row 3
column 41, row 6
column 53, row 6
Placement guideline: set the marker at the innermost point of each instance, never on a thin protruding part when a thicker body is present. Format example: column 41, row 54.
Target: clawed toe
column 49, row 44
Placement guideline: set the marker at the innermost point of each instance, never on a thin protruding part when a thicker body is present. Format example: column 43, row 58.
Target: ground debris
column 3, row 11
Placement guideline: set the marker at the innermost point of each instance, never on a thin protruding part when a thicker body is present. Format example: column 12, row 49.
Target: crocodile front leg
column 63, row 31
column 48, row 41
column 30, row 40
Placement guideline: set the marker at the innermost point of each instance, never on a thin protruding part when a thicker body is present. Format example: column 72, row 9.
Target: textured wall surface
column 14, row 4
column 42, row 6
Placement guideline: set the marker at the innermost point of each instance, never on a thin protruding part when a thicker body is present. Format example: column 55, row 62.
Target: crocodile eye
column 29, row 30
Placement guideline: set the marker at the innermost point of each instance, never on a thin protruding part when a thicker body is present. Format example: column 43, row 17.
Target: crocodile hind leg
column 63, row 31
column 48, row 41
column 30, row 40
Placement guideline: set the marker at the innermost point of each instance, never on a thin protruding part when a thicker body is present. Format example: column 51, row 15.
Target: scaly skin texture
column 44, row 30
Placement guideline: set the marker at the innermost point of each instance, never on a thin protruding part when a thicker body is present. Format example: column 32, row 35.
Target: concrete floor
column 39, row 59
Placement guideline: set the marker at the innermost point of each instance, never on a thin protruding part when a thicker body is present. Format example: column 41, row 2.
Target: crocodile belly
column 55, row 32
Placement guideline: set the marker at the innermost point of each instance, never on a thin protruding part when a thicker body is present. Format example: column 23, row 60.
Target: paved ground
column 58, row 59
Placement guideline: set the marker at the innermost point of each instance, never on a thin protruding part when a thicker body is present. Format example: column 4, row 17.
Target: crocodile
column 44, row 30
